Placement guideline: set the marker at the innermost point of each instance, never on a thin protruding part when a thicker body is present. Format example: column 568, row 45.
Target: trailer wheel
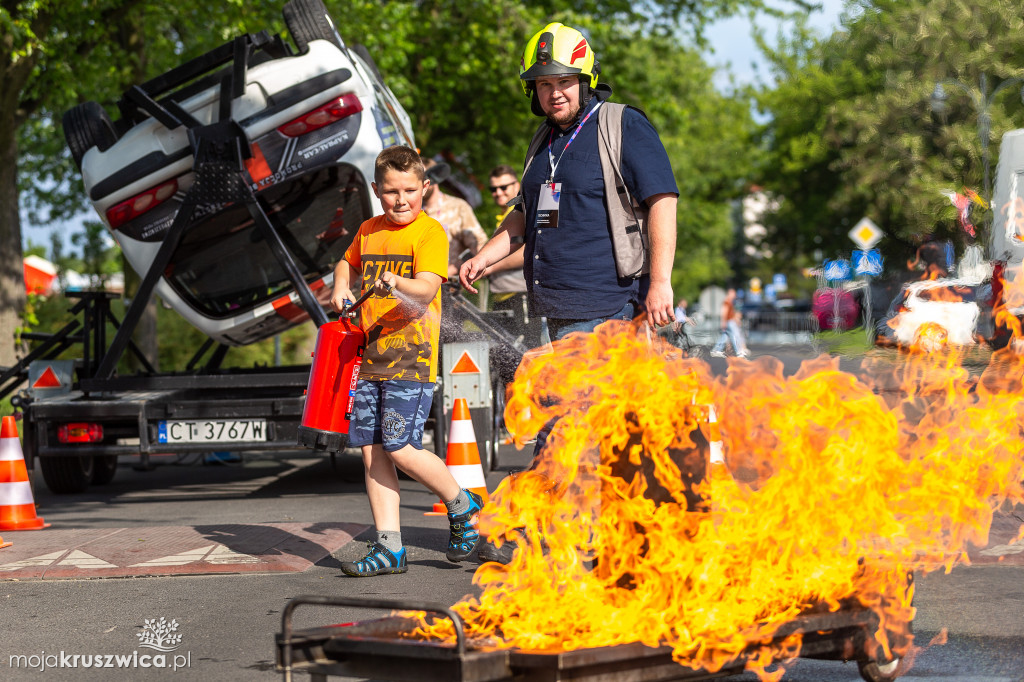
column 308, row 20
column 874, row 671
column 87, row 126
column 104, row 467
column 65, row 475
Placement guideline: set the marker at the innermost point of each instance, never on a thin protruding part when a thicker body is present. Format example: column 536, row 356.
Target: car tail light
column 333, row 111
column 80, row 432
column 140, row 203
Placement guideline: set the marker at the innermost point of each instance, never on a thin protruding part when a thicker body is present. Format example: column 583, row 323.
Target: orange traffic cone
column 5, row 544
column 17, row 508
column 463, row 456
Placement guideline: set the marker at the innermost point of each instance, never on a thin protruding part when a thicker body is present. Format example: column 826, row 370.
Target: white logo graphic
column 159, row 634
column 393, row 424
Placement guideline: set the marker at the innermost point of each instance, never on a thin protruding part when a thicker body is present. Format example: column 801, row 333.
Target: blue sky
column 735, row 51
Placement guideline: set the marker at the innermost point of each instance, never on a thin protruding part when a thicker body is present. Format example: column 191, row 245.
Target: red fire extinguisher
column 330, row 393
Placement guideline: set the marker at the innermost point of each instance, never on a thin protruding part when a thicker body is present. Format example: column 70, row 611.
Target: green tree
column 852, row 131
column 55, row 54
column 709, row 138
column 100, row 255
column 460, row 84
column 467, row 102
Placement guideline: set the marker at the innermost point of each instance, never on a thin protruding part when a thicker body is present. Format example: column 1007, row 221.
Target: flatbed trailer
column 78, row 429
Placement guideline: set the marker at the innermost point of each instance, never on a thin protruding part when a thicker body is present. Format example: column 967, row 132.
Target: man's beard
column 566, row 117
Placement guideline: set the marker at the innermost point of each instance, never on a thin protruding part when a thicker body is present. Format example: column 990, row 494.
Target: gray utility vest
column 627, row 217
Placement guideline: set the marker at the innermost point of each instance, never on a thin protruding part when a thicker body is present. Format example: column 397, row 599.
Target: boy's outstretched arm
column 344, row 275
column 420, row 289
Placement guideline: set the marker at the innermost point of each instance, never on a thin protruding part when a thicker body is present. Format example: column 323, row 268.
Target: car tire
column 86, row 126
column 67, row 475
column 308, row 20
column 104, row 468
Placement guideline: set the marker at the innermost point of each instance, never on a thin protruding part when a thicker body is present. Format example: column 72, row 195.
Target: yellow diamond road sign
column 866, row 234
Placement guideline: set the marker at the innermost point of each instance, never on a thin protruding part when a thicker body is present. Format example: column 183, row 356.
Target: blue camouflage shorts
column 393, row 413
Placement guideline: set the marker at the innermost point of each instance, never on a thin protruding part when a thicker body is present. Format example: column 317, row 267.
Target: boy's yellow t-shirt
column 401, row 337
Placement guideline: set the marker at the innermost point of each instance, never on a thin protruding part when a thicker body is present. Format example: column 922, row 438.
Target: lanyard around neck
column 551, row 137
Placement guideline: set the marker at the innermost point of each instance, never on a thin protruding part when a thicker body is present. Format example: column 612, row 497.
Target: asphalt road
column 227, row 622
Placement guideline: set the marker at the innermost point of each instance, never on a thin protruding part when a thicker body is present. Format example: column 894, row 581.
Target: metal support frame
column 219, row 150
column 90, row 331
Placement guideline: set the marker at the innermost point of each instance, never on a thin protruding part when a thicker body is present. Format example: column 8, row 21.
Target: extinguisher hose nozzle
column 349, row 309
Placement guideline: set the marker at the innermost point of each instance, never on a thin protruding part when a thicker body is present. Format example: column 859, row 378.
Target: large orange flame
column 837, row 488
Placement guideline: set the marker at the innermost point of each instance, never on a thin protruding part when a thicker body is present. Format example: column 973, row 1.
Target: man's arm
column 661, row 229
column 513, row 261
column 508, row 239
column 473, row 235
column 470, row 236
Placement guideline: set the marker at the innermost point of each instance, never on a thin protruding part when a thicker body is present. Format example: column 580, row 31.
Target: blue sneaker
column 465, row 535
column 379, row 560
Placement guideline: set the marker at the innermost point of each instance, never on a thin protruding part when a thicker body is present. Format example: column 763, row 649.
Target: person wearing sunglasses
column 455, row 215
column 507, row 282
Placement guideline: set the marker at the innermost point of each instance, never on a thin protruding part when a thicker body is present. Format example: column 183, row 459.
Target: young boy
column 403, row 256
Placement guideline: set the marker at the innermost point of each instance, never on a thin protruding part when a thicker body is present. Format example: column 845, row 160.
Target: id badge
column 547, row 205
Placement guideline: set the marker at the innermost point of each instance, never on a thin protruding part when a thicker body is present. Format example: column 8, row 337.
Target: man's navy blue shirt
column 570, row 269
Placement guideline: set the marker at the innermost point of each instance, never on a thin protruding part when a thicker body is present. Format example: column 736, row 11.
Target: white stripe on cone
column 15, row 494
column 462, row 432
column 468, row 475
column 717, row 452
column 10, row 450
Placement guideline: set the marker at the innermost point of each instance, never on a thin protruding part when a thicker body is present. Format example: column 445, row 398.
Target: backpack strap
column 627, row 218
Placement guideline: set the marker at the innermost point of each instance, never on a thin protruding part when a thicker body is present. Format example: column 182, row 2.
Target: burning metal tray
column 384, row 649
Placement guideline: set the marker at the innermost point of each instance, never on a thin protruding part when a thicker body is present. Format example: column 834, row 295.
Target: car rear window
column 223, row 264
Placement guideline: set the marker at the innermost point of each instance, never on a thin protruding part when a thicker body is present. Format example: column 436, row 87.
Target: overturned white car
column 300, row 125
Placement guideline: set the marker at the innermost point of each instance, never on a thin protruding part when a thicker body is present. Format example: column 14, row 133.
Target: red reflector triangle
column 465, row 365
column 257, row 164
column 47, row 380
